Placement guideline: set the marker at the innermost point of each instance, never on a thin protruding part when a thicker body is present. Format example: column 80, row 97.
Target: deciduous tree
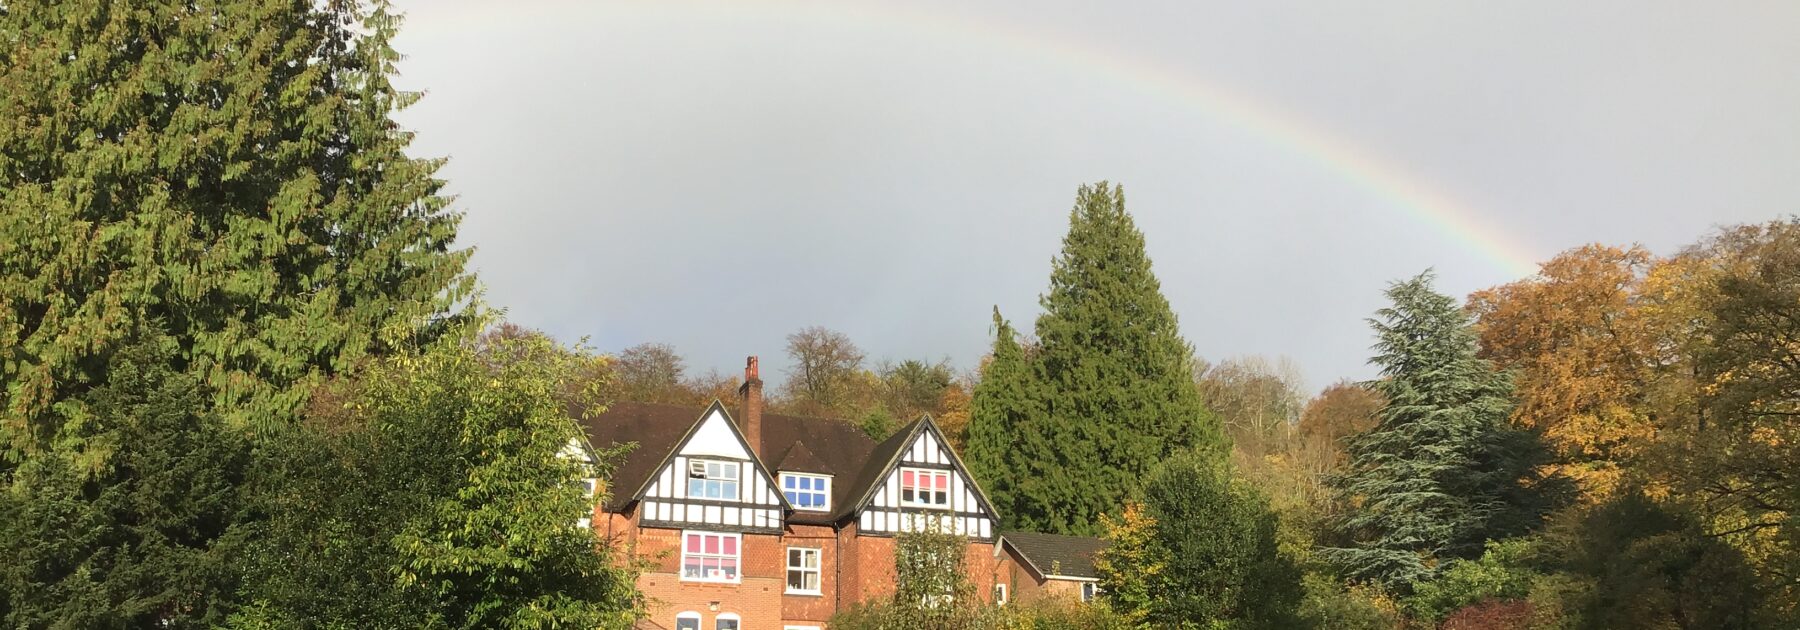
column 1581, row 356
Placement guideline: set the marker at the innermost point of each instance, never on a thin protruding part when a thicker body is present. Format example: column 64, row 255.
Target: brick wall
column 853, row 569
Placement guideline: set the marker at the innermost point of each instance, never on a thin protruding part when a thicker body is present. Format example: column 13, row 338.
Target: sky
column 716, row 175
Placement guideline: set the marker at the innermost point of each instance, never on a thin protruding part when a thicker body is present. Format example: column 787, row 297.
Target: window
column 707, row 557
column 807, row 492
column 1089, row 590
column 799, row 628
column 726, row 621
column 1000, row 594
column 803, row 571
column 687, row 621
column 924, row 488
column 712, row 480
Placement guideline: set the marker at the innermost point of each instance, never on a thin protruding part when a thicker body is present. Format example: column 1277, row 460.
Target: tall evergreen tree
column 135, row 541
column 1113, row 372
column 228, row 171
column 1441, row 470
column 1000, row 453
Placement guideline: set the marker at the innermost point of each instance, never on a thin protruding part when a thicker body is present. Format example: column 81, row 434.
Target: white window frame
column 737, row 623
column 799, row 628
column 1090, row 591
column 686, row 615
column 916, row 472
column 739, row 556
column 706, row 471
column 818, row 570
column 1000, row 594
column 824, row 506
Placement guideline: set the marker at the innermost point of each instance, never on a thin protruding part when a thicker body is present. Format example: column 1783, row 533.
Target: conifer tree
column 1114, row 375
column 999, row 450
column 1441, row 470
column 228, row 171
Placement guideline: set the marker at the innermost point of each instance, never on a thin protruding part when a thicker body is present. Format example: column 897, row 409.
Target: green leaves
column 1107, row 392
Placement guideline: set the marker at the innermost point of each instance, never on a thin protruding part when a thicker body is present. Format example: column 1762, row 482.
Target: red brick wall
column 1023, row 587
column 853, row 568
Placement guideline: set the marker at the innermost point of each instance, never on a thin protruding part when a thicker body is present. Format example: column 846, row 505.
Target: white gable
column 960, row 512
column 716, row 438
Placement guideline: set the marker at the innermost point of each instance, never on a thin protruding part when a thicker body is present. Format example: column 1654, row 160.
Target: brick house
column 1037, row 566
column 763, row 521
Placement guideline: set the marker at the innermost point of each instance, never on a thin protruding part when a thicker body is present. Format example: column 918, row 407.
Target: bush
column 1499, row 574
column 1328, row 604
column 1491, row 614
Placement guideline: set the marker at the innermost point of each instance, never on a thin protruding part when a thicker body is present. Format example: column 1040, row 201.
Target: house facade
column 762, row 521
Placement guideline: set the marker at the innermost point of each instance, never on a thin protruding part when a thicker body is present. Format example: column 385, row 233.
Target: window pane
column 730, row 545
column 728, row 624
column 687, row 623
column 729, row 566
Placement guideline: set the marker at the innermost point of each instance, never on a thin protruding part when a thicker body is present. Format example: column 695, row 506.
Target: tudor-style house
column 766, row 521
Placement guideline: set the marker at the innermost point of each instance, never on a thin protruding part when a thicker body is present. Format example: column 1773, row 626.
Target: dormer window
column 921, row 487
column 807, row 492
column 709, row 479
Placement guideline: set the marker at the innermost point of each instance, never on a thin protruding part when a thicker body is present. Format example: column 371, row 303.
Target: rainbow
column 1380, row 178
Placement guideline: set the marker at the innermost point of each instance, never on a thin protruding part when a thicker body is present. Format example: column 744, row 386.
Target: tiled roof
column 1055, row 554
column 800, row 444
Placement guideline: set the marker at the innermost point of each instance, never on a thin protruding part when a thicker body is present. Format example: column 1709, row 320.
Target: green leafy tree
column 441, row 490
column 1001, row 453
column 1114, row 376
column 137, row 541
column 1441, row 472
column 1212, row 561
column 1644, row 564
column 228, row 172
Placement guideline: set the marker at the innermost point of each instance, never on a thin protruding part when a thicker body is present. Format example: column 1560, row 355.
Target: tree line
column 249, row 382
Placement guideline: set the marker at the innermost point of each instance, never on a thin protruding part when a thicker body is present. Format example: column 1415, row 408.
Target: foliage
column 1112, row 375
column 1582, row 352
column 931, row 587
column 1001, row 452
column 1442, row 471
column 1632, row 562
column 1331, row 605
column 826, row 364
column 137, row 541
column 1257, row 402
column 228, row 172
column 1132, row 564
column 650, row 372
column 1492, row 614
column 1210, row 556
column 437, row 490
column 1501, row 573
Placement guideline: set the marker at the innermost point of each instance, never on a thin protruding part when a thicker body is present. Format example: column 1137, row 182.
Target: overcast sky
column 717, row 175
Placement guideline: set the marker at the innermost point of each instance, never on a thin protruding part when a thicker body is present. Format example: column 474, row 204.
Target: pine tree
column 227, row 171
column 1004, row 402
column 1441, row 470
column 1115, row 375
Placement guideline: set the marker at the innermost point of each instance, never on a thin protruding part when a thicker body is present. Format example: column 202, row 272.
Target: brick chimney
column 750, row 416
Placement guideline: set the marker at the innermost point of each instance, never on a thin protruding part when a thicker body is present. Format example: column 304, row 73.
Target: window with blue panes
column 807, row 492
